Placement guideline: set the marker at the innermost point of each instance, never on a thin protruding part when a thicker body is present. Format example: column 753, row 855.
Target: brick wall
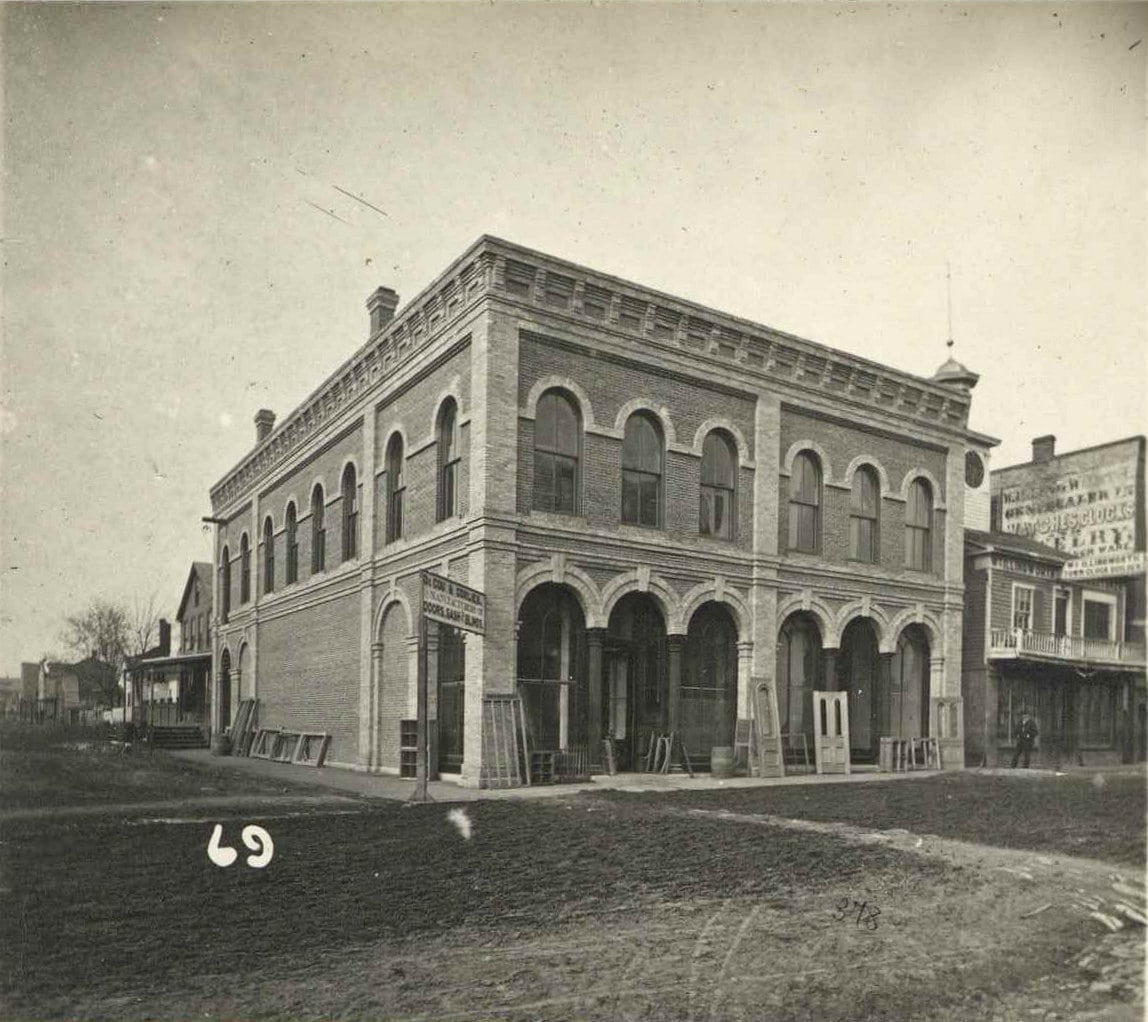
column 309, row 673
column 608, row 387
column 326, row 467
column 394, row 687
column 842, row 443
column 897, row 458
column 414, row 412
column 610, row 384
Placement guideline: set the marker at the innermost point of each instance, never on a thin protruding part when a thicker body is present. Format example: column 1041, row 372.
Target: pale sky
column 811, row 167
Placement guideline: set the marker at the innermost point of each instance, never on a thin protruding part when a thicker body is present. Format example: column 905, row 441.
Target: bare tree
column 143, row 632
column 101, row 632
column 143, row 625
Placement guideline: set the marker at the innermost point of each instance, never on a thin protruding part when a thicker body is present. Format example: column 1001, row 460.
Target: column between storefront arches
column 676, row 644
column 829, row 659
column 745, row 694
column 883, row 697
column 595, row 637
column 374, row 719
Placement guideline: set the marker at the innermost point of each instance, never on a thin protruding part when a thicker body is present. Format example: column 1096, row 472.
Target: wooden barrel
column 721, row 761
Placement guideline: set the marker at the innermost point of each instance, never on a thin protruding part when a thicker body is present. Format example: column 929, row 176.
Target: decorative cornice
column 434, row 310
column 519, row 276
column 529, row 277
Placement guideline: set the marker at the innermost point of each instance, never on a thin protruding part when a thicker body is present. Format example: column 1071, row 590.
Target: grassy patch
column 45, row 766
column 1074, row 814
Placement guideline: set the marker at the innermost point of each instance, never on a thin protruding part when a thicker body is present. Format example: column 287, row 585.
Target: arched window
column 642, row 471
column 557, row 438
column 919, row 527
column 292, row 544
column 350, row 514
column 448, row 457
column 395, row 488
column 805, row 504
column 244, row 569
column 719, row 472
column 225, row 585
column 318, row 531
column 864, row 502
column 268, row 555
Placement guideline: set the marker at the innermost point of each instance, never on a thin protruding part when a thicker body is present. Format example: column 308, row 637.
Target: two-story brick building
column 1054, row 616
column 661, row 502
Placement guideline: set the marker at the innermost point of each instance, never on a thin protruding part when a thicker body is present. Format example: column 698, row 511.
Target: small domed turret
column 955, row 375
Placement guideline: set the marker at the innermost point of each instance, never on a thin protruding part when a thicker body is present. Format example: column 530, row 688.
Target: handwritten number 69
column 255, row 838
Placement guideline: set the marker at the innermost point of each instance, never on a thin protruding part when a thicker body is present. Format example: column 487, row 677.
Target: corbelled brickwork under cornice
column 495, row 268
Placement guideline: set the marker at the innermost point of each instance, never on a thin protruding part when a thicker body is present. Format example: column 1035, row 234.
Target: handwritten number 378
column 255, row 838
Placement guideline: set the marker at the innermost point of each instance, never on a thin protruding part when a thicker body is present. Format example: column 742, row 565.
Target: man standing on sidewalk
column 1025, row 739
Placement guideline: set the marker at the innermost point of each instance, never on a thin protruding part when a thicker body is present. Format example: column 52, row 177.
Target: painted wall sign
column 1111, row 564
column 453, row 604
column 1084, row 504
column 1024, row 567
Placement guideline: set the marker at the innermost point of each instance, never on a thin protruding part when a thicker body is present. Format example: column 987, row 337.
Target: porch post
column 432, row 648
column 594, row 639
column 676, row 644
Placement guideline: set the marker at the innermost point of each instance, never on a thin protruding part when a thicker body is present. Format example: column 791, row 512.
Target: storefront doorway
column 798, row 676
column 709, row 681
column 636, row 696
column 552, row 676
column 225, row 690
column 450, row 698
column 859, row 667
column 908, row 701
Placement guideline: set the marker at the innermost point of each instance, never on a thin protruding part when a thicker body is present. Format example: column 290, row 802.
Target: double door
column 634, row 699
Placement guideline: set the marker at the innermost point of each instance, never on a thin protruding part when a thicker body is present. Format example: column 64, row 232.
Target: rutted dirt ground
column 582, row 908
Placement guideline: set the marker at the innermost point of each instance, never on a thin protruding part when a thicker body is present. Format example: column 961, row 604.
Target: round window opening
column 974, row 469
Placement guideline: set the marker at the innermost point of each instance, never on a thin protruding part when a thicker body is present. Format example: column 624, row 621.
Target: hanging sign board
column 453, row 604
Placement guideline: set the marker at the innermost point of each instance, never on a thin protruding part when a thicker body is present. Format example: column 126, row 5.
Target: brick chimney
column 164, row 637
column 264, row 424
column 381, row 306
column 1043, row 448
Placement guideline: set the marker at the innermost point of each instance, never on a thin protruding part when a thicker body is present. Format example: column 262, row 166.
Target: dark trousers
column 1023, row 748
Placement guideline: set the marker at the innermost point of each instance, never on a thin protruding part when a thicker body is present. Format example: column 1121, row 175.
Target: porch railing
column 168, row 715
column 1020, row 642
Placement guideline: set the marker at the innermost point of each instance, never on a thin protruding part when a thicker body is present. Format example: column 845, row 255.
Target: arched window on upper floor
column 350, row 514
column 446, row 433
column 557, row 443
column 225, row 585
column 292, row 536
column 396, row 488
column 642, row 460
column 919, row 527
column 718, row 491
column 864, row 507
column 268, row 555
column 244, row 569
column 805, row 504
column 318, row 531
